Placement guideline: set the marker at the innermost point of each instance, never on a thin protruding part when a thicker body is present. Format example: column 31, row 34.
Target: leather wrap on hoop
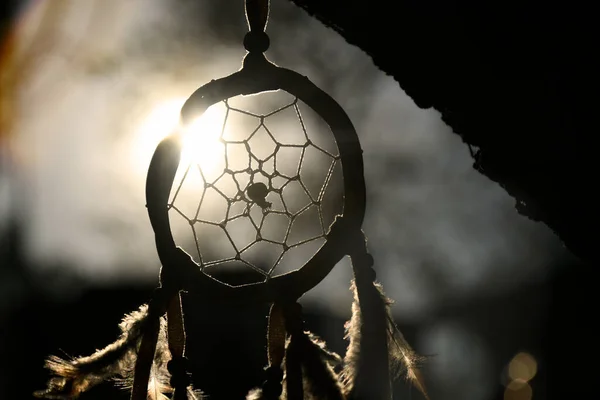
column 259, row 75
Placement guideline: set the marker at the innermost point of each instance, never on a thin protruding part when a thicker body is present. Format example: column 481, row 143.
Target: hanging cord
column 256, row 41
column 166, row 299
column 283, row 320
column 257, row 14
column 276, row 335
column 272, row 386
column 293, row 355
column 145, row 355
column 178, row 365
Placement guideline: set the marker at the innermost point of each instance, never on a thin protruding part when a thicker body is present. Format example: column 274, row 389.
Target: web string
column 240, row 206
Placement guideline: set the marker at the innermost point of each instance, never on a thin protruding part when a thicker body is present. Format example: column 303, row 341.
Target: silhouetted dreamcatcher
column 266, row 190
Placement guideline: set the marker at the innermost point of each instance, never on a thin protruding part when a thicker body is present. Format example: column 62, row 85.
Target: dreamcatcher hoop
column 258, row 75
column 377, row 350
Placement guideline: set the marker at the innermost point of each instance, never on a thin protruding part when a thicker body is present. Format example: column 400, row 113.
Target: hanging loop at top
column 257, row 14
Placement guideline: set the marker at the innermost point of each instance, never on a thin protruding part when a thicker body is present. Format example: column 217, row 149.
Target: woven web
column 264, row 195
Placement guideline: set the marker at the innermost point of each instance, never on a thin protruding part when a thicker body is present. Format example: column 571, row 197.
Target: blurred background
column 89, row 87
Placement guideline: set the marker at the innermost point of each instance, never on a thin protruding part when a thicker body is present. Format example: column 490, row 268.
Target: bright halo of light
column 161, row 121
column 201, row 139
column 202, row 143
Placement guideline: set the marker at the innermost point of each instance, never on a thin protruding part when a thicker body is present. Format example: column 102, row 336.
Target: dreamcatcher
column 258, row 190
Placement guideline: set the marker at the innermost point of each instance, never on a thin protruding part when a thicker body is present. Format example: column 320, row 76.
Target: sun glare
column 201, row 142
column 161, row 121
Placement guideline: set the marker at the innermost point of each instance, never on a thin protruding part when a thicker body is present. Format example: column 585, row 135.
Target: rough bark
column 515, row 80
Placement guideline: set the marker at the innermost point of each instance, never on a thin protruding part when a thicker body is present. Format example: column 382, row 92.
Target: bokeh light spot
column 522, row 367
column 518, row 390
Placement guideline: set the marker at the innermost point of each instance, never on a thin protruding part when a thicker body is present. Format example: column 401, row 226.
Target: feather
column 330, row 357
column 320, row 379
column 195, row 394
column 75, row 376
column 255, row 394
column 294, row 384
column 156, row 388
column 353, row 335
column 158, row 383
column 403, row 360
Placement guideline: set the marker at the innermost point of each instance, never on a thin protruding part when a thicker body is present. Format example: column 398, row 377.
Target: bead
column 178, row 367
column 272, row 390
column 256, row 42
column 364, row 269
column 180, row 381
column 274, row 373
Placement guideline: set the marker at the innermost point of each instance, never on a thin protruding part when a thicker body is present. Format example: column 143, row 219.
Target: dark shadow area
column 226, row 345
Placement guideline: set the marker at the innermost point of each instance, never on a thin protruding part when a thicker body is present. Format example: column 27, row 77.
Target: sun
column 201, row 142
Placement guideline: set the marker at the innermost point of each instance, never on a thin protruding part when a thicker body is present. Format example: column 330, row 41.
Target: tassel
column 367, row 371
column 272, row 387
column 353, row 335
column 73, row 377
column 180, row 379
column 159, row 385
column 402, row 359
column 377, row 352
